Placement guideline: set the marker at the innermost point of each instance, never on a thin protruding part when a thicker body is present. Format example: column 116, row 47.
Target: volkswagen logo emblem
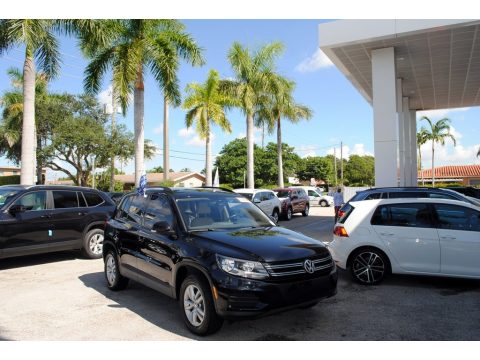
column 309, row 266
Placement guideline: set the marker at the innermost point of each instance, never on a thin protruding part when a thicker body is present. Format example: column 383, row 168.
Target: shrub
column 10, row 180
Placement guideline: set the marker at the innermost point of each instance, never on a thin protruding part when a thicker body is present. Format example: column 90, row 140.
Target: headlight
column 243, row 268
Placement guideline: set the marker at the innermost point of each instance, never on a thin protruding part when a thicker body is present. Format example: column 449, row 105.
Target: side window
column 405, row 215
column 158, row 209
column 64, row 199
column 122, row 212
column 270, row 195
column 313, row 193
column 264, row 196
column 92, row 198
column 373, row 196
column 453, row 217
column 33, row 201
column 408, row 194
column 135, row 210
column 441, row 196
column 257, row 197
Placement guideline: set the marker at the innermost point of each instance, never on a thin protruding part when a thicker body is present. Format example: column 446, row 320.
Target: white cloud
column 358, row 149
column 192, row 138
column 257, row 135
column 305, row 151
column 438, row 114
column 315, row 62
column 105, row 99
column 158, row 130
column 186, row 132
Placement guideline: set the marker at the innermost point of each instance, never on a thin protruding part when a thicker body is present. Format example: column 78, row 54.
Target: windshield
column 217, row 210
column 283, row 193
column 6, row 195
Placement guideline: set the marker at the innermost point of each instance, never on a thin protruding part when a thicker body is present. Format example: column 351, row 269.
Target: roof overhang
column 438, row 60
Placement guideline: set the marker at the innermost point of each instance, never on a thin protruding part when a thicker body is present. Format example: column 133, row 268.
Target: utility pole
column 341, row 163
column 112, row 174
column 335, row 164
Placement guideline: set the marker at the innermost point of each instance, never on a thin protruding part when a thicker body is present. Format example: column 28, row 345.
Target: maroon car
column 293, row 201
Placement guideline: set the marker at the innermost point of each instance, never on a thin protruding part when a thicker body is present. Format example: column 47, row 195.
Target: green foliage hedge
column 10, row 180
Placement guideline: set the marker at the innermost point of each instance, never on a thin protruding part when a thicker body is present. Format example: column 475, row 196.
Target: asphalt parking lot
column 63, row 297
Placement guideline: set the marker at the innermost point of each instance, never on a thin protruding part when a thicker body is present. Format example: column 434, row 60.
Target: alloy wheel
column 96, row 244
column 194, row 305
column 368, row 267
column 111, row 269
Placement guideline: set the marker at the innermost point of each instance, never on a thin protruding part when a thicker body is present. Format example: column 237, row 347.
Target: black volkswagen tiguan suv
column 215, row 252
column 42, row 218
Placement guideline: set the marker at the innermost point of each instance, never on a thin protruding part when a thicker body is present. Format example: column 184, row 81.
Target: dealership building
column 401, row 67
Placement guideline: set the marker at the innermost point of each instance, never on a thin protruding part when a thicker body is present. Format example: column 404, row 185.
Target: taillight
column 340, row 231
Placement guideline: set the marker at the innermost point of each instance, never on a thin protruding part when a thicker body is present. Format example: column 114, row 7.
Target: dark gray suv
column 40, row 219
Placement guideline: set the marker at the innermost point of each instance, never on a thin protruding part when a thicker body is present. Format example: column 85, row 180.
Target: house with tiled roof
column 465, row 174
column 180, row 179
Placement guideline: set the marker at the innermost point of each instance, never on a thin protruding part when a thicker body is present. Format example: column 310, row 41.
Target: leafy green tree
column 42, row 49
column 206, row 104
column 232, row 163
column 438, row 132
column 156, row 169
column 359, row 171
column 134, row 47
column 254, row 73
column 316, row 167
column 278, row 103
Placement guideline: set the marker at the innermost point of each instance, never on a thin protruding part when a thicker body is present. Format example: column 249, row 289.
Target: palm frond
column 96, row 69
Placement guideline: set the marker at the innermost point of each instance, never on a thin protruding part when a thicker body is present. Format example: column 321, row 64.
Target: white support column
column 401, row 135
column 407, row 140
column 413, row 148
column 385, row 117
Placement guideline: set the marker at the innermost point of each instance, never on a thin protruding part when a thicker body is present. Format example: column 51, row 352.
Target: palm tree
column 41, row 46
column 438, row 132
column 133, row 48
column 12, row 115
column 279, row 103
column 422, row 138
column 253, row 76
column 206, row 103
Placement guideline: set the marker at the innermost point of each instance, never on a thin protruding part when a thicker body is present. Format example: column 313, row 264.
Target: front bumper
column 240, row 298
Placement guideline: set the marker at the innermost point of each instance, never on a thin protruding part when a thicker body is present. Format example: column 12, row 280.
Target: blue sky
column 340, row 112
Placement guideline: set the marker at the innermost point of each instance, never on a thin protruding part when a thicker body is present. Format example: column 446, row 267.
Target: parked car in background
column 410, row 192
column 215, row 252
column 466, row 190
column 293, row 201
column 266, row 200
column 40, row 219
column 421, row 236
column 315, row 196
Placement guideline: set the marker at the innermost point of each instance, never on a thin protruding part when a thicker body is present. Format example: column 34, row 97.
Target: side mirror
column 163, row 228
column 15, row 209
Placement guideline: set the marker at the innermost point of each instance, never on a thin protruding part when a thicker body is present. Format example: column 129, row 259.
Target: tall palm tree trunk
column 28, row 155
column 420, row 164
column 139, row 132
column 39, row 162
column 279, row 154
column 433, row 163
column 250, row 165
column 166, row 149
column 208, row 158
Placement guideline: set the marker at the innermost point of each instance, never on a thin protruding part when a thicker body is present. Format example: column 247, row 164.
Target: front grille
column 322, row 266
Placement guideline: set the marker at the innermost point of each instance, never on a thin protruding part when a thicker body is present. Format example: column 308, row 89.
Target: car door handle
column 82, row 214
column 387, row 234
column 448, row 238
column 48, row 216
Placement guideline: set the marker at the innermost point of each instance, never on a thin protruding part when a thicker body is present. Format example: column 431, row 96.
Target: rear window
column 407, row 194
column 345, row 212
column 92, row 198
column 283, row 194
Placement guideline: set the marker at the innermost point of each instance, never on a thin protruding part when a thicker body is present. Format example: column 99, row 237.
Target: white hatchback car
column 265, row 199
column 440, row 237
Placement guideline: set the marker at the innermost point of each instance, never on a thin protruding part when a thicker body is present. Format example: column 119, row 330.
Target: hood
column 268, row 244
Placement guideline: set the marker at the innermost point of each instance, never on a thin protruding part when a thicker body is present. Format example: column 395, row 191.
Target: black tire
column 115, row 280
column 93, row 244
column 306, row 210
column 323, row 203
column 369, row 266
column 276, row 215
column 210, row 322
column 289, row 214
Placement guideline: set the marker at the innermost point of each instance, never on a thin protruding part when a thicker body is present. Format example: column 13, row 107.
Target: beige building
column 9, row 171
column 180, row 179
